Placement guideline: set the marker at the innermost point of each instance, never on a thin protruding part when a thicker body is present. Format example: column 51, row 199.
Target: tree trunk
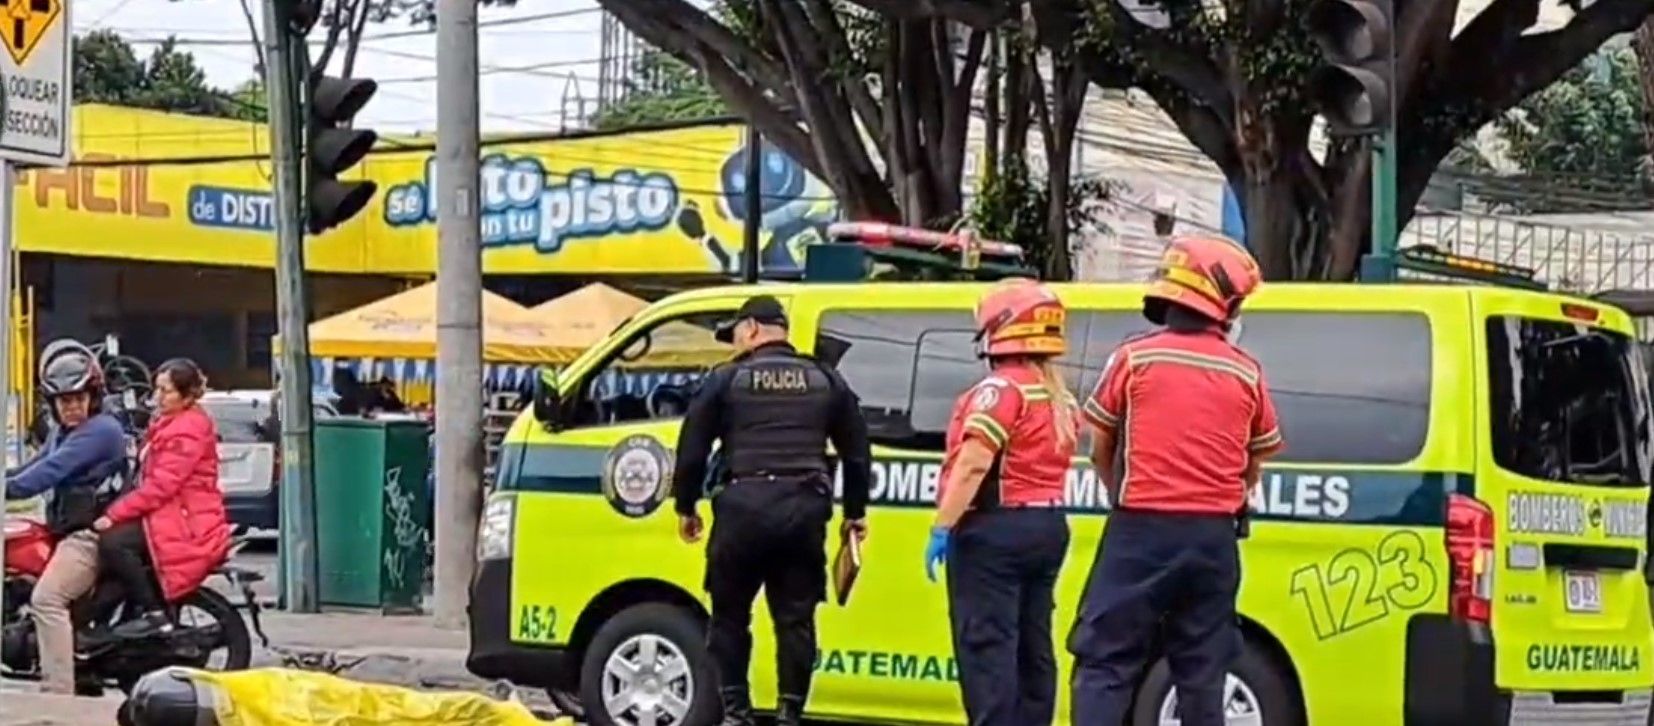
column 1643, row 43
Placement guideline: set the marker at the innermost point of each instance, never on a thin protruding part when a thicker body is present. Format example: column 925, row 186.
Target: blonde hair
column 1063, row 405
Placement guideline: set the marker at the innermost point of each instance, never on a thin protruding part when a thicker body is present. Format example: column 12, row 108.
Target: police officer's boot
column 737, row 707
column 790, row 711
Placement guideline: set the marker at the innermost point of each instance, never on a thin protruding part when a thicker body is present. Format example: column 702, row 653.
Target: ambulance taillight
column 1470, row 551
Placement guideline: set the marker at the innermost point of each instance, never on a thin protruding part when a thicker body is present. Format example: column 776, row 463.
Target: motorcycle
column 121, row 662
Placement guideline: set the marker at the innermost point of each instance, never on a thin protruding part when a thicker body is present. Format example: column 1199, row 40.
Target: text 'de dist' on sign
column 35, row 78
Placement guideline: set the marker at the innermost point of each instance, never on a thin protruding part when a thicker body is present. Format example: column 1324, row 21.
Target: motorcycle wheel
column 237, row 640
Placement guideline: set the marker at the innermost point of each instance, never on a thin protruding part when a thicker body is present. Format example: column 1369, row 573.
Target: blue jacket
column 84, row 455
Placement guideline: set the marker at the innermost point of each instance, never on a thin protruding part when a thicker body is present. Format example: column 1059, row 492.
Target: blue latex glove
column 937, row 551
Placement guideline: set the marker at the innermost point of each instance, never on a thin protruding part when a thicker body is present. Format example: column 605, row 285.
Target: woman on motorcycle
column 82, row 464
column 174, row 521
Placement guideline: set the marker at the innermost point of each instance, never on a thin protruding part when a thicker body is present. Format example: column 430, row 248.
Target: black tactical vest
column 776, row 413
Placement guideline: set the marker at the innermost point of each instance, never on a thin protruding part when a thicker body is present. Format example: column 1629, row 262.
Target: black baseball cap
column 761, row 308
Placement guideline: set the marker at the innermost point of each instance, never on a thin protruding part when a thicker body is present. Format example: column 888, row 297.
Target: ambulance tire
column 670, row 626
column 1261, row 678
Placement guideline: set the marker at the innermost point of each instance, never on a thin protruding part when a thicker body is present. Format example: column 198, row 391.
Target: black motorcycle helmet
column 69, row 367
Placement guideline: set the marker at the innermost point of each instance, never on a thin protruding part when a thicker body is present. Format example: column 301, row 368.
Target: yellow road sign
column 25, row 23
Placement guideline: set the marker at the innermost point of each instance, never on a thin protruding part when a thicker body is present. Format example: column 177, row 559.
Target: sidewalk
column 20, row 706
column 400, row 650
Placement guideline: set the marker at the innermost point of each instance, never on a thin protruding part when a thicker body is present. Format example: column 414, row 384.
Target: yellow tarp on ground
column 284, row 697
column 404, row 326
column 583, row 318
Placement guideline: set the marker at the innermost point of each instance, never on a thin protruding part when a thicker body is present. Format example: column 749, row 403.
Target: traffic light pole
column 284, row 78
column 1380, row 265
column 459, row 404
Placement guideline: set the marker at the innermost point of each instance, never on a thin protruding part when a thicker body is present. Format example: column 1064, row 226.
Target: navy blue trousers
column 1002, row 570
column 1157, row 577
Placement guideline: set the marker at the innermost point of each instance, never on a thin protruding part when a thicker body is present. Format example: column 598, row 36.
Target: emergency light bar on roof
column 856, row 246
column 1432, row 261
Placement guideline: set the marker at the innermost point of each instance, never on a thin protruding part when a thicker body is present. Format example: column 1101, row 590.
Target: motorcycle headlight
column 494, row 534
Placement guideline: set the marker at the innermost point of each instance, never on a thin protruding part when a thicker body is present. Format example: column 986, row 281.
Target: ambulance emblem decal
column 637, row 475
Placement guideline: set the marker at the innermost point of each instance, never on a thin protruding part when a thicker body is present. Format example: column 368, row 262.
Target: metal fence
column 1570, row 258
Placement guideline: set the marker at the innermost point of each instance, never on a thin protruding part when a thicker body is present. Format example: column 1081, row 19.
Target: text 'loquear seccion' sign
column 35, row 82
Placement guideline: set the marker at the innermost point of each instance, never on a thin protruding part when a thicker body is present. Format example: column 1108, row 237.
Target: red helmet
column 1209, row 274
column 1020, row 316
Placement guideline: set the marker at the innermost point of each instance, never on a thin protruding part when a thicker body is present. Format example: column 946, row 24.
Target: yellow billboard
column 165, row 187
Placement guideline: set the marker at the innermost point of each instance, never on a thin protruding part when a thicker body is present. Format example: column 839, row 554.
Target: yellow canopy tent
column 583, row 318
column 404, row 326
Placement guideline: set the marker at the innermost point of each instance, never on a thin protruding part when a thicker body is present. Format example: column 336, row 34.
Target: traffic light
column 331, row 147
column 1355, row 87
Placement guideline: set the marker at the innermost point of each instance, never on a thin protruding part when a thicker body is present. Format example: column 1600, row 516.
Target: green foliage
column 1011, row 206
column 108, row 71
column 662, row 89
column 1588, row 123
column 1013, row 203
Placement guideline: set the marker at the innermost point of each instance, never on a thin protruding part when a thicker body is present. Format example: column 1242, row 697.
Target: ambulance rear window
column 1569, row 402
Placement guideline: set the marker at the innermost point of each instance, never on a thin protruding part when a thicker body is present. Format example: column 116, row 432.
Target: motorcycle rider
column 79, row 469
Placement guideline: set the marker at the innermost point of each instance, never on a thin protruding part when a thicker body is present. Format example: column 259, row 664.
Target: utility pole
column 754, row 199
column 459, row 442
column 7, row 192
column 286, row 76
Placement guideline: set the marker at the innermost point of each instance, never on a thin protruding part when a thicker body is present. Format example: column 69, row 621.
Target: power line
column 534, row 69
column 188, row 41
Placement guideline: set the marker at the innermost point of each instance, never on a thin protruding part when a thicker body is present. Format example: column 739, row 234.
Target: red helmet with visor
column 1021, row 317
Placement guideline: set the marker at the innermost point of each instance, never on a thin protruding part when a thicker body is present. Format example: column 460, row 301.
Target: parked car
column 249, row 454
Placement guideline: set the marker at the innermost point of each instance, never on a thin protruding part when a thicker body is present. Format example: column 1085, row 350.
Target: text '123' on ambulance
column 1455, row 535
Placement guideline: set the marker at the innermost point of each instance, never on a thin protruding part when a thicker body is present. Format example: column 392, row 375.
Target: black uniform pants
column 770, row 534
column 1002, row 569
column 123, row 553
column 1171, row 575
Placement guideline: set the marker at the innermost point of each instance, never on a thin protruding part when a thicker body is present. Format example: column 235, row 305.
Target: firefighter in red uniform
column 1000, row 525
column 1194, row 416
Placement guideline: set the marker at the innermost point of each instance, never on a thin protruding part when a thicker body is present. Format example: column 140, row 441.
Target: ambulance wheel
column 649, row 665
column 1256, row 693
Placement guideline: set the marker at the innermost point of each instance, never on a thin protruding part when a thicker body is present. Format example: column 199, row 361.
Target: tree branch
column 1552, row 53
column 336, row 24
column 1492, row 68
column 353, row 39
column 1204, row 127
column 980, row 14
column 956, row 124
column 825, row 111
column 705, row 30
column 1192, row 69
column 824, row 16
column 743, row 95
column 258, row 44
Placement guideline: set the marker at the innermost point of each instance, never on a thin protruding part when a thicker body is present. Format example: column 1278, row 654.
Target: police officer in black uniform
column 773, row 409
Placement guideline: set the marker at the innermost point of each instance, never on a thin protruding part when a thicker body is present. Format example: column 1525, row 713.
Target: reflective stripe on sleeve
column 989, row 428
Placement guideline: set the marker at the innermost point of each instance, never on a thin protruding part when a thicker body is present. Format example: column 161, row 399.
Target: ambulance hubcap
column 1240, row 706
column 646, row 682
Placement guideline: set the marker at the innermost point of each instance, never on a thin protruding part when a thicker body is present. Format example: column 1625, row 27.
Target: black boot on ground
column 790, row 711
column 737, row 707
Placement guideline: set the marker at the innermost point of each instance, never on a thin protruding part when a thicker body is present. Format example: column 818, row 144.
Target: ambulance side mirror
column 547, row 405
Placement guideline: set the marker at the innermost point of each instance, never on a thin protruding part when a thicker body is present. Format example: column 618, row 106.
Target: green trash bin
column 373, row 512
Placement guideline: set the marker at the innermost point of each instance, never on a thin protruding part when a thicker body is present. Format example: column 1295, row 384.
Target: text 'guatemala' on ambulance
column 1455, row 534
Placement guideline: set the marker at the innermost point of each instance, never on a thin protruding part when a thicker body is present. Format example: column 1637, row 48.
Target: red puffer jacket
column 179, row 501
